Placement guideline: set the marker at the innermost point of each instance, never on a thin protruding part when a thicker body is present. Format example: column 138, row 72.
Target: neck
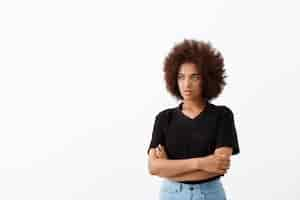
column 193, row 105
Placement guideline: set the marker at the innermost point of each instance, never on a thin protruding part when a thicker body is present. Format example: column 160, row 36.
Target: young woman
column 192, row 143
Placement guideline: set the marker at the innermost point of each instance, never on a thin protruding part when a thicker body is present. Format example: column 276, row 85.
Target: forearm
column 171, row 168
column 192, row 176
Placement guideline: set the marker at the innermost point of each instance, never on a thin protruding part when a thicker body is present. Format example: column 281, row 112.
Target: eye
column 179, row 77
column 195, row 78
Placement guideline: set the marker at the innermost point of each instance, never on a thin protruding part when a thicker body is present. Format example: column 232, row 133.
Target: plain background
column 81, row 83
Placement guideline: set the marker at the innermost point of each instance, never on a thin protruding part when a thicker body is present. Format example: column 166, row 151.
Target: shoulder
column 164, row 117
column 222, row 109
column 165, row 113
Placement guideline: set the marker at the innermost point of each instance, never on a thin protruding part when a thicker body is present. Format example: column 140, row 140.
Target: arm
column 167, row 168
column 201, row 174
column 203, row 167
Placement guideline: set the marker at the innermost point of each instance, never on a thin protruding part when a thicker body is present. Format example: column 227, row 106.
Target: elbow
column 152, row 169
column 152, row 172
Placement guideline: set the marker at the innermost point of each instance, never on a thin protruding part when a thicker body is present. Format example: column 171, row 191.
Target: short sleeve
column 157, row 133
column 226, row 131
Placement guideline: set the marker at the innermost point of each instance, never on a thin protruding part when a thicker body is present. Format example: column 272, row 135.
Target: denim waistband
column 178, row 186
column 201, row 181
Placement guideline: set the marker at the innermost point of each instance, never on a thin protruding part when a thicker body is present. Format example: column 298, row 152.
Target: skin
column 189, row 78
column 216, row 164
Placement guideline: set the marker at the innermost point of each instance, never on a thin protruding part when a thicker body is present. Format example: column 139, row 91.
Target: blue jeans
column 212, row 190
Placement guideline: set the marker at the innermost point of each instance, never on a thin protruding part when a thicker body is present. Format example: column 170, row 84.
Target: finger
column 223, row 155
column 225, row 165
column 161, row 148
column 158, row 148
column 223, row 159
column 225, row 162
column 158, row 153
column 221, row 171
column 152, row 153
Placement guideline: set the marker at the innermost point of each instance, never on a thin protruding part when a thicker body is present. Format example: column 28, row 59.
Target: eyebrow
column 190, row 74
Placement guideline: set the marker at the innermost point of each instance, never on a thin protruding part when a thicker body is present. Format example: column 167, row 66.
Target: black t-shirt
column 184, row 137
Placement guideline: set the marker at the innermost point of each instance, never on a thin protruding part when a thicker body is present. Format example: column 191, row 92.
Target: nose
column 187, row 84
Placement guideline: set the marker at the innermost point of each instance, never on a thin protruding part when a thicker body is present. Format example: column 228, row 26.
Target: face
column 189, row 81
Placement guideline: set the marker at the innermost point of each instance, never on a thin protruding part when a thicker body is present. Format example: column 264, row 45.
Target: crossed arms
column 199, row 168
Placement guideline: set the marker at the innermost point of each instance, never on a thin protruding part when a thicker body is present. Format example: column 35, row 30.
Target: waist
column 200, row 181
column 209, row 185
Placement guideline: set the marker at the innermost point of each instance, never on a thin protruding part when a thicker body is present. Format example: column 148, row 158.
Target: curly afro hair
column 208, row 60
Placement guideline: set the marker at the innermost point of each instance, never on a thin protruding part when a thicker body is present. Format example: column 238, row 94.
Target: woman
column 192, row 143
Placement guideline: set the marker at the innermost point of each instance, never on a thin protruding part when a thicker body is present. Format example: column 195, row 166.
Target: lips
column 187, row 92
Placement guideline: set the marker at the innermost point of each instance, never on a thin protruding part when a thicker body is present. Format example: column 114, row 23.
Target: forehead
column 188, row 68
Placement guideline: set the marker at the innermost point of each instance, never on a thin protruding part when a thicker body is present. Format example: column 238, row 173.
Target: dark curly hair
column 208, row 60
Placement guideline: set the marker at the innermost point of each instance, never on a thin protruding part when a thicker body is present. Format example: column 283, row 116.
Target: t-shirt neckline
column 179, row 110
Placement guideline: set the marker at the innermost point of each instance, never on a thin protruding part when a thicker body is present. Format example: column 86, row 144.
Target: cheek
column 200, row 84
column 179, row 85
column 197, row 85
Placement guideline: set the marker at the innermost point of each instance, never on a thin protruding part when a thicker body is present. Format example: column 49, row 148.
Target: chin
column 188, row 97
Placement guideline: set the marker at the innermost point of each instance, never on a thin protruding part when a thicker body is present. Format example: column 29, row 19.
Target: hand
column 216, row 163
column 160, row 152
column 152, row 154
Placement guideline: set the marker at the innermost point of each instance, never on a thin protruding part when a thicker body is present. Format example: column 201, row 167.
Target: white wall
column 81, row 82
